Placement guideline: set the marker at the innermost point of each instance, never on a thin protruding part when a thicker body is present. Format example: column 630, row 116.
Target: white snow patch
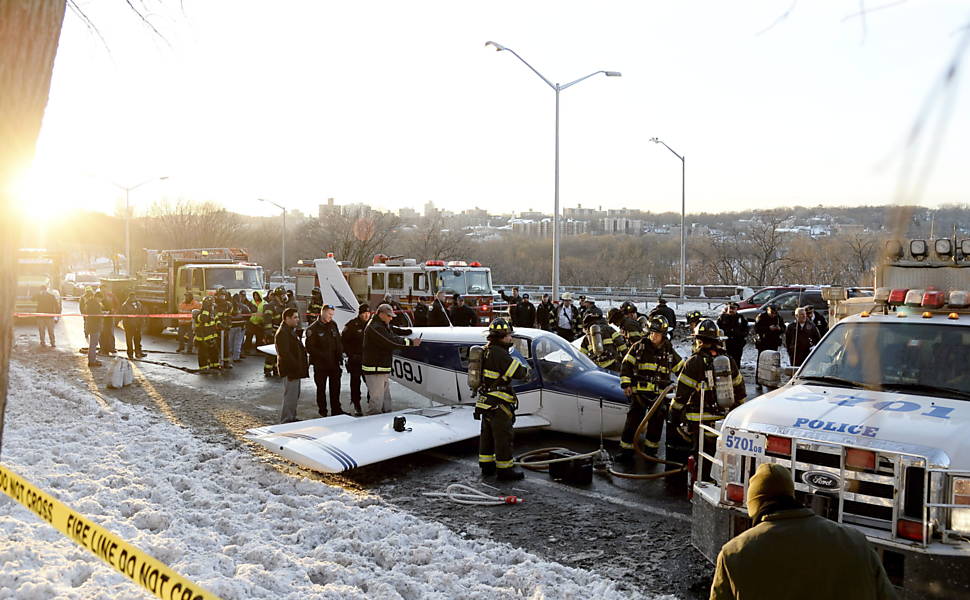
column 226, row 521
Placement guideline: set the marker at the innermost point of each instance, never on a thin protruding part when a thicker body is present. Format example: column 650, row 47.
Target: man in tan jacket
column 790, row 552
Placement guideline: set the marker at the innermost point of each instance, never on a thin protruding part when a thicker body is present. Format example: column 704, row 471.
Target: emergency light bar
column 958, row 299
column 434, row 263
column 457, row 263
column 897, row 297
column 933, row 299
column 881, row 295
column 914, row 298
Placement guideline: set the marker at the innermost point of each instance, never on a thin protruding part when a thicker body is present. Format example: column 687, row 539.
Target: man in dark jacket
column 352, row 341
column 292, row 363
column 47, row 303
column 666, row 312
column 323, row 343
column 133, row 325
column 107, row 339
column 513, row 302
column 735, row 328
column 769, row 327
column 788, row 543
column 463, row 315
column 438, row 316
column 92, row 311
column 545, row 314
column 380, row 342
column 420, row 313
column 800, row 337
column 525, row 313
column 818, row 320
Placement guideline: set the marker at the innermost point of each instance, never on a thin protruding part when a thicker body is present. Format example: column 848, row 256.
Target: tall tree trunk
column 29, row 30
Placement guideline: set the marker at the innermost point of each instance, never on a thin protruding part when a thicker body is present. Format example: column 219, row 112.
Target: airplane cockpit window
column 522, row 346
column 558, row 360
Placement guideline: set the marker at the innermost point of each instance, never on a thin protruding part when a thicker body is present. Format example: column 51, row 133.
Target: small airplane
column 566, row 392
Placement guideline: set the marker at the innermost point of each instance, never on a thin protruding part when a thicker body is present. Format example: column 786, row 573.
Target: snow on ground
column 226, row 520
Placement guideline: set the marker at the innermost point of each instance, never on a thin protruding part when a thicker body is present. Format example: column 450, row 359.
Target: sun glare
column 52, row 195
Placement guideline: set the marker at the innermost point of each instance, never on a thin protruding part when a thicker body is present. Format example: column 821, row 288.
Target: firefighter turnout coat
column 697, row 377
column 499, row 368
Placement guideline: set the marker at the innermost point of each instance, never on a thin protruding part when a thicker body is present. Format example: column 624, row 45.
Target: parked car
column 788, row 302
column 74, row 283
column 766, row 294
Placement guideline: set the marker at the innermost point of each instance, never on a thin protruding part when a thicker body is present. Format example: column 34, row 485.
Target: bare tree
column 433, row 239
column 29, row 31
column 189, row 224
column 355, row 236
column 764, row 250
column 861, row 249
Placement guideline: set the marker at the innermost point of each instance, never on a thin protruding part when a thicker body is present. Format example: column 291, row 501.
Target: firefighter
column 497, row 403
column 644, row 374
column 614, row 346
column 224, row 309
column 693, row 318
column 206, row 337
column 698, row 378
column 314, row 305
column 272, row 316
column 630, row 326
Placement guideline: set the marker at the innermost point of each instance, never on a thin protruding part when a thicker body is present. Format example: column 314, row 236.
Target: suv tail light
column 735, row 493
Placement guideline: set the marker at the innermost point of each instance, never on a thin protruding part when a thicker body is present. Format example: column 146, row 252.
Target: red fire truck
column 405, row 280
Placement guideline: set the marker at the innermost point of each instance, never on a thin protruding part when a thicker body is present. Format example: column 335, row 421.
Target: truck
column 405, row 280
column 168, row 274
column 874, row 425
column 36, row 268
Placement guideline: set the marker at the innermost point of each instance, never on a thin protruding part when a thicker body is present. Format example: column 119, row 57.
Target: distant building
column 613, row 225
column 429, row 209
column 544, row 227
column 531, row 215
column 581, row 213
column 408, row 213
column 328, row 209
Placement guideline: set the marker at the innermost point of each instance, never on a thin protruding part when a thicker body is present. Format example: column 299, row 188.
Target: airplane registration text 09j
column 566, row 392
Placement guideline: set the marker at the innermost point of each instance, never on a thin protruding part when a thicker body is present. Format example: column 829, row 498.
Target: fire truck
column 170, row 273
column 874, row 425
column 37, row 268
column 405, row 280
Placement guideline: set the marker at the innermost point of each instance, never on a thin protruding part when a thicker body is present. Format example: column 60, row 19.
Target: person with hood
column 545, row 314
column 497, row 403
column 789, row 544
column 326, row 352
column 108, row 323
column 133, row 325
column 92, row 310
column 293, row 364
column 381, row 339
column 438, row 315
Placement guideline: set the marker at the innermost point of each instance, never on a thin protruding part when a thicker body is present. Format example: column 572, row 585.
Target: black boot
column 509, row 474
column 624, row 456
column 488, row 469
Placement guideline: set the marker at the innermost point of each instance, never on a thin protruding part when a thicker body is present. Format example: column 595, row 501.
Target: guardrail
column 706, row 293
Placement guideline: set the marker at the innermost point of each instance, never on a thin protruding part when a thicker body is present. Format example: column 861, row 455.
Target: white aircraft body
column 566, row 392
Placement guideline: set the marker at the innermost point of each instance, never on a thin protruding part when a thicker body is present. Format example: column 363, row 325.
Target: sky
column 394, row 104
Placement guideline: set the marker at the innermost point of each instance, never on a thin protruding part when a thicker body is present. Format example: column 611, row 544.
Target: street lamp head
column 498, row 47
column 164, row 177
column 655, row 140
column 612, row 73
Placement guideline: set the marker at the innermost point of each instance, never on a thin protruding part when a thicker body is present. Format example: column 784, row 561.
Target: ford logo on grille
column 821, row 480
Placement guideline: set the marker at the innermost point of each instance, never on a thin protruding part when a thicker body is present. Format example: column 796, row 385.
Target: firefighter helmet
column 280, row 291
column 500, row 327
column 694, row 315
column 707, row 330
column 315, row 290
column 658, row 325
column 628, row 307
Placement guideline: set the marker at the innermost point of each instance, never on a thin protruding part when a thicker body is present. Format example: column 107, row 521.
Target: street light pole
column 128, row 190
column 283, row 245
column 683, row 206
column 555, row 217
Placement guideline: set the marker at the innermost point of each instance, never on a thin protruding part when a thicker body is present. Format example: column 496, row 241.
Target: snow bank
column 225, row 520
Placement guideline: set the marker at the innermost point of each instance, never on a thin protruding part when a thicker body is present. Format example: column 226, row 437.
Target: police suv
column 875, row 427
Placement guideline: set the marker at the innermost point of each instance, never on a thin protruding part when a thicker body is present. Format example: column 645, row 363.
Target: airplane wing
column 341, row 443
column 336, row 291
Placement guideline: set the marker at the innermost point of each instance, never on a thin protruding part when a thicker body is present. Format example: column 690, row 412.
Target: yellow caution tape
column 147, row 571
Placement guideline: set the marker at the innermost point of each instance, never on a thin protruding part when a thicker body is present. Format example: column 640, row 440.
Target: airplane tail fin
column 336, row 291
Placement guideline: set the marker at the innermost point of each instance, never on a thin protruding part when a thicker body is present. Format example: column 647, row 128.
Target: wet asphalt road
column 634, row 532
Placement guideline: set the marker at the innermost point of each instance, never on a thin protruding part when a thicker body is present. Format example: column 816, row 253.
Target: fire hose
column 679, row 467
column 464, row 494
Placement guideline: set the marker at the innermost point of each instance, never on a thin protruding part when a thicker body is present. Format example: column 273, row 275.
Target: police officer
column 614, row 346
column 324, row 346
column 644, row 374
column 697, row 378
column 546, row 314
column 735, row 327
column 206, row 337
column 497, row 403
